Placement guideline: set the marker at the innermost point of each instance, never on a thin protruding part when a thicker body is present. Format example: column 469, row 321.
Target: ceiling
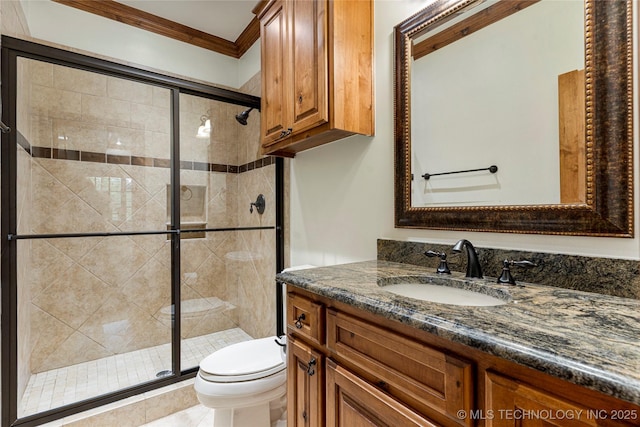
column 223, row 18
column 229, row 27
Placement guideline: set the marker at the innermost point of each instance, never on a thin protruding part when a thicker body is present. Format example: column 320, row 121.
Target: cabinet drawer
column 305, row 318
column 429, row 380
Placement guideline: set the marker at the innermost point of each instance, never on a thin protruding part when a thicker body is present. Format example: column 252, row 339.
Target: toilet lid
column 243, row 361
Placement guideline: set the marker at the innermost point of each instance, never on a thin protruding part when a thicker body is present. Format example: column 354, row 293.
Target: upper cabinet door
column 317, row 73
column 273, row 32
column 309, row 64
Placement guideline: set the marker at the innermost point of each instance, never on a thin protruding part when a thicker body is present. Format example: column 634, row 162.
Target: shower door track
column 11, row 49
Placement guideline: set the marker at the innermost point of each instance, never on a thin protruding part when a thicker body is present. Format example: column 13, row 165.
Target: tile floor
column 197, row 416
column 62, row 386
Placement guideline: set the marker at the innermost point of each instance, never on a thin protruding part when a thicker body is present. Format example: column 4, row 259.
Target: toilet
column 245, row 384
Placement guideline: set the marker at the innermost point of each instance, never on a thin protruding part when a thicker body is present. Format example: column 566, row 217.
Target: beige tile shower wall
column 256, row 285
column 248, row 141
column 222, row 206
column 104, row 296
column 221, row 146
column 78, row 110
column 81, row 287
column 192, row 108
column 207, row 274
column 256, row 275
column 208, row 277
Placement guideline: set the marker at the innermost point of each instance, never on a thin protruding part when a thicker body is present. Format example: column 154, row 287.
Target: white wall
column 71, row 27
column 342, row 193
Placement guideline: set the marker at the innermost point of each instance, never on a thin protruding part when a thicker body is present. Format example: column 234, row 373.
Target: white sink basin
column 443, row 294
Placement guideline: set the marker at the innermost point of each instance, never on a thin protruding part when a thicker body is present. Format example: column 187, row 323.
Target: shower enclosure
column 129, row 251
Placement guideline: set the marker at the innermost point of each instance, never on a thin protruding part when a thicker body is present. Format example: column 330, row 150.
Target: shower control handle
column 260, row 204
column 299, row 320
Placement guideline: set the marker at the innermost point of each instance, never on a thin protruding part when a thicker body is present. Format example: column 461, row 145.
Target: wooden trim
column 137, row 18
column 469, row 26
column 248, row 37
column 571, row 120
column 260, row 7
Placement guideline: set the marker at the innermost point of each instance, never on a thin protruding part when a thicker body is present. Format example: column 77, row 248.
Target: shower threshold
column 71, row 384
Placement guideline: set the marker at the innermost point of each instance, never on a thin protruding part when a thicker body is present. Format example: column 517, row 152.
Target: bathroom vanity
column 361, row 355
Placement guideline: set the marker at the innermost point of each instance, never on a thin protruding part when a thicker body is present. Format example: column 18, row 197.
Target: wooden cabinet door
column 305, row 385
column 510, row 403
column 353, row 402
column 274, row 114
column 437, row 384
column 309, row 74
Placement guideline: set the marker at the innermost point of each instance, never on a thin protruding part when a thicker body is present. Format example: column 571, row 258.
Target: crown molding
column 137, row 18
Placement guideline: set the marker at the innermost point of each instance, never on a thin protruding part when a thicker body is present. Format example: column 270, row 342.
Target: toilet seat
column 245, row 361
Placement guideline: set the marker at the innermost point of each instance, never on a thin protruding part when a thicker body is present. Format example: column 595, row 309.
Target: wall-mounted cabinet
column 317, row 73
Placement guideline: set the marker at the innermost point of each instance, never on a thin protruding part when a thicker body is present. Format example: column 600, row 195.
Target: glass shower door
column 128, row 253
column 208, row 191
column 228, row 267
column 93, row 280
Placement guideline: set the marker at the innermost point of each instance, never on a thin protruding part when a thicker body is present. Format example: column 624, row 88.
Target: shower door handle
column 4, row 128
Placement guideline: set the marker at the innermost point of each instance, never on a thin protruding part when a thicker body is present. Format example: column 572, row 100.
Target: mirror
column 564, row 162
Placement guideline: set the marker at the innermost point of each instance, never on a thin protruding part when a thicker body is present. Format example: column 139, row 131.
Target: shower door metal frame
column 13, row 48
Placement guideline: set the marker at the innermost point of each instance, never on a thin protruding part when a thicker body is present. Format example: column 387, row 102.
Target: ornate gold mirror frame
column 608, row 210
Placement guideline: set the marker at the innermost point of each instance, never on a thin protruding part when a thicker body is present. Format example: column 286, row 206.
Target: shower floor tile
column 63, row 386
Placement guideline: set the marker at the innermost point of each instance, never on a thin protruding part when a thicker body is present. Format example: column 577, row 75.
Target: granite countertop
column 589, row 339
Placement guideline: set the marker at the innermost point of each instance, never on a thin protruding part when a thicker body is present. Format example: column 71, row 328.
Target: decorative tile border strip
column 94, row 157
column 22, row 142
column 609, row 276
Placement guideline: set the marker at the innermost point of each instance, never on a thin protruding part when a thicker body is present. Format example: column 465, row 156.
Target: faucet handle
column 443, row 268
column 506, row 276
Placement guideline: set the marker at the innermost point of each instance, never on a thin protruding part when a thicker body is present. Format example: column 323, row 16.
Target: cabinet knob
column 299, row 320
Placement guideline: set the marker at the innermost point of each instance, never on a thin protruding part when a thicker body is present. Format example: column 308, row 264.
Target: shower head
column 242, row 117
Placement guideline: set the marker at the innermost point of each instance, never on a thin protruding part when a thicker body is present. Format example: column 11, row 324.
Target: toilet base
column 271, row 413
column 257, row 416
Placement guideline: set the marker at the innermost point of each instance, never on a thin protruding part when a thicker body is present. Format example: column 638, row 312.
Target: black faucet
column 474, row 269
